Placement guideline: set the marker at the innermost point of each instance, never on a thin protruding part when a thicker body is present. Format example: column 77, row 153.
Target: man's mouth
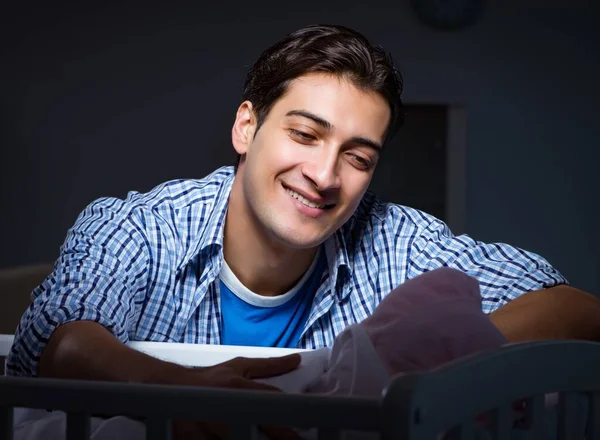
column 305, row 201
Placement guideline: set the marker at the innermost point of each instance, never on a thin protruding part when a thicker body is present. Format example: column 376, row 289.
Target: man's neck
column 263, row 266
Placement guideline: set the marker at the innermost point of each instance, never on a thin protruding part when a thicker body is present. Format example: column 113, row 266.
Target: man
column 286, row 251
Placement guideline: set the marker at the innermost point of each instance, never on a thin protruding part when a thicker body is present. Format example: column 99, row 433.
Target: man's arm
column 86, row 350
column 559, row 312
column 526, row 297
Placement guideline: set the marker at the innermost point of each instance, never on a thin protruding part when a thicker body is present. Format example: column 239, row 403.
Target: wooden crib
column 447, row 402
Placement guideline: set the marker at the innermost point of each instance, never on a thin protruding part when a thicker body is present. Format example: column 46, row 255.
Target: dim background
column 97, row 100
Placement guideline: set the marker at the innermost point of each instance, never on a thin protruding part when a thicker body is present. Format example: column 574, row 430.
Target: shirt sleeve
column 504, row 272
column 100, row 275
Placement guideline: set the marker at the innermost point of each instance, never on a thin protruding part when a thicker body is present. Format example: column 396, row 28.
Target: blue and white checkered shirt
column 147, row 268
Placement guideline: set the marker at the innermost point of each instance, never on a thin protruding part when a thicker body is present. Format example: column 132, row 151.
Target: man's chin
column 303, row 245
column 300, row 242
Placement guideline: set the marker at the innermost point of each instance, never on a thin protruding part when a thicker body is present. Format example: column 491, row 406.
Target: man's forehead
column 336, row 101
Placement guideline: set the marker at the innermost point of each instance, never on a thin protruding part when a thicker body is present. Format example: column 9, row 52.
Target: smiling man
column 285, row 250
column 301, row 177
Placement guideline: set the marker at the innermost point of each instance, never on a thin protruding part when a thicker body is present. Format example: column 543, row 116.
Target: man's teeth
column 305, row 201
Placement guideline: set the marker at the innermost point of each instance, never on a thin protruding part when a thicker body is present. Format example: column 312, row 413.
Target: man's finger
column 258, row 368
column 249, row 384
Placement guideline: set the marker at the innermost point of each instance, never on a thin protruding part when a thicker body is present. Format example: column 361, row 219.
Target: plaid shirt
column 147, row 268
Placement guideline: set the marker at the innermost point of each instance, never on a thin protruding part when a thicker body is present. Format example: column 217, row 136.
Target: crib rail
column 449, row 398
column 442, row 403
column 157, row 404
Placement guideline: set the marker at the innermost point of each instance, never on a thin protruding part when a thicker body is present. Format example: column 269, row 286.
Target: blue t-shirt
column 250, row 319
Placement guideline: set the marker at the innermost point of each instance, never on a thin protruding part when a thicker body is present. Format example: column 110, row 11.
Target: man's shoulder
column 376, row 213
column 171, row 206
column 177, row 215
column 182, row 194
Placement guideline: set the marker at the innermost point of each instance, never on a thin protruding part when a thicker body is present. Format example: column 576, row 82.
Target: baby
column 424, row 323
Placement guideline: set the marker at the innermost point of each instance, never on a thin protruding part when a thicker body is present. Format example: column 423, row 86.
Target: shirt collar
column 339, row 261
column 213, row 234
column 210, row 243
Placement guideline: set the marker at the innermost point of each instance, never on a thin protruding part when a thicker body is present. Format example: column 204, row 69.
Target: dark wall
column 99, row 100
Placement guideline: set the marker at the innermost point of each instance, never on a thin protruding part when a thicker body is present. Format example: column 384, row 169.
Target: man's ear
column 244, row 127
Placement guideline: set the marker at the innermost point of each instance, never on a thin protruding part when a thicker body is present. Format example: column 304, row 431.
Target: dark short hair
column 333, row 49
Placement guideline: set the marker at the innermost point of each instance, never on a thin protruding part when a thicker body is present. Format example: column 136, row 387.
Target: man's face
column 307, row 167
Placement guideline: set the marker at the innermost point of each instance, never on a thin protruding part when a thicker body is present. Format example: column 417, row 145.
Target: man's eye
column 360, row 161
column 302, row 135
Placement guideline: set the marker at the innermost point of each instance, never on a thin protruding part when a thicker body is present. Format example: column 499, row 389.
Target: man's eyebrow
column 305, row 114
column 366, row 142
column 328, row 126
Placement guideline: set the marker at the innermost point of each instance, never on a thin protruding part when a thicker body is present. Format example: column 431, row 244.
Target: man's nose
column 323, row 170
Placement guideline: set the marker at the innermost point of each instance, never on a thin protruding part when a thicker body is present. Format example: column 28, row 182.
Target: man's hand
column 237, row 373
